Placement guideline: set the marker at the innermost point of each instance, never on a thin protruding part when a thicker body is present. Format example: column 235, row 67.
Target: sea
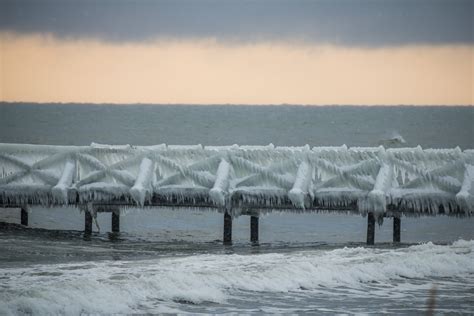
column 173, row 261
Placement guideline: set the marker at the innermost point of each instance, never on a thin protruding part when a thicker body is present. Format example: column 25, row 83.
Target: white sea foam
column 392, row 139
column 157, row 285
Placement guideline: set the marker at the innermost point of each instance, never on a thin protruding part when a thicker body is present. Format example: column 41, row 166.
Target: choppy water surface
column 69, row 124
column 355, row 279
column 173, row 260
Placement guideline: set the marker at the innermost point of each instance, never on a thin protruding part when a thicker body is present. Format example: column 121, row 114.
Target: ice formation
column 236, row 178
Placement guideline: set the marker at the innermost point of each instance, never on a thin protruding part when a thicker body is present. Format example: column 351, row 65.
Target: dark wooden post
column 370, row 229
column 227, row 229
column 254, row 229
column 24, row 216
column 87, row 223
column 397, row 223
column 115, row 221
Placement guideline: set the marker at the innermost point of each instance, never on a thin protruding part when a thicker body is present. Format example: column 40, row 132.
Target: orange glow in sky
column 45, row 69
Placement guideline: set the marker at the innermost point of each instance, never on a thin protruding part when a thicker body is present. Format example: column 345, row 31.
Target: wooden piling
column 24, row 216
column 370, row 229
column 87, row 223
column 227, row 229
column 396, row 229
column 254, row 229
column 115, row 221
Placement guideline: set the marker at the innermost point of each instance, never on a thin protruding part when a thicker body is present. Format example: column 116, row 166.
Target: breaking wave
column 163, row 285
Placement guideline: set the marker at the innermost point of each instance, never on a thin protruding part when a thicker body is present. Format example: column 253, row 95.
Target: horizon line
column 229, row 104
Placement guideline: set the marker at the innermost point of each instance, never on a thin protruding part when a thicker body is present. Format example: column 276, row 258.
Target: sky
column 371, row 52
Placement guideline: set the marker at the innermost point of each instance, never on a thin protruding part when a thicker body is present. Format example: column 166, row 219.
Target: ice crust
column 412, row 181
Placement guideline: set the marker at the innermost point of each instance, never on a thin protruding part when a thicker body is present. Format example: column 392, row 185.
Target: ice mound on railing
column 235, row 178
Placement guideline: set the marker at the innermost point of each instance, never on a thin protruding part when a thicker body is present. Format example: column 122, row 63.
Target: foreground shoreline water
column 315, row 279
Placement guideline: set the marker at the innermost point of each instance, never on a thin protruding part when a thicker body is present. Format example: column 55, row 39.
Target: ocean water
column 173, row 261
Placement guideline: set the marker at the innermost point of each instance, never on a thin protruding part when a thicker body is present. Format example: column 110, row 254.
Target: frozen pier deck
column 240, row 180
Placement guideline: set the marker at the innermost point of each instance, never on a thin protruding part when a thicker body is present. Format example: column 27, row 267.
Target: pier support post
column 24, row 216
column 87, row 223
column 370, row 229
column 397, row 223
column 254, row 229
column 227, row 229
column 115, row 221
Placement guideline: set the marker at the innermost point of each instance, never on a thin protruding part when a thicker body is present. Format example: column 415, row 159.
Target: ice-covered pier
column 240, row 180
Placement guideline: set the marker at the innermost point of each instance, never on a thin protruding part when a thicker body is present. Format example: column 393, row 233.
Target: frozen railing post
column 396, row 229
column 220, row 189
column 142, row 186
column 370, row 228
column 299, row 192
column 60, row 190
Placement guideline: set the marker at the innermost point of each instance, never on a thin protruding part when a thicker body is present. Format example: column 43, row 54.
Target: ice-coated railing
column 236, row 178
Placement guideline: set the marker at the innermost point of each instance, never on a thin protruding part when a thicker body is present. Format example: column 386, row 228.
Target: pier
column 237, row 180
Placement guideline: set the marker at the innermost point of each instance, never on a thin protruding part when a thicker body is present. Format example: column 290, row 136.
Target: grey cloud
column 346, row 22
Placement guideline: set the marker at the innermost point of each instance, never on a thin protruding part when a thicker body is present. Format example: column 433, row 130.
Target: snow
column 411, row 181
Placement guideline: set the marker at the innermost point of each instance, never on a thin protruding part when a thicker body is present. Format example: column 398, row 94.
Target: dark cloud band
column 346, row 22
